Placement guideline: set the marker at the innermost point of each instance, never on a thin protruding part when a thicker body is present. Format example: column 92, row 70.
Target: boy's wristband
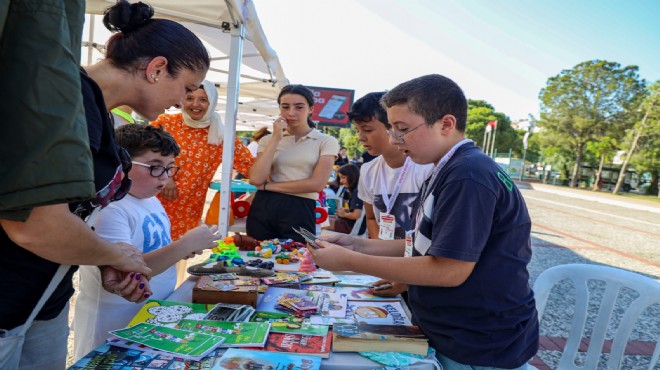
column 264, row 187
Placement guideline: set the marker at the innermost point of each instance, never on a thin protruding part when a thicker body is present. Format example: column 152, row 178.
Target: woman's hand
column 131, row 286
column 280, row 127
column 170, row 192
column 341, row 212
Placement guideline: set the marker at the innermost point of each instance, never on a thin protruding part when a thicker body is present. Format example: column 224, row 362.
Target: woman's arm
column 260, row 170
column 351, row 215
column 243, row 159
column 315, row 183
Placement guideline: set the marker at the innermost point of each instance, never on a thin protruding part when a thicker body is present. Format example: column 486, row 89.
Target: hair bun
column 126, row 17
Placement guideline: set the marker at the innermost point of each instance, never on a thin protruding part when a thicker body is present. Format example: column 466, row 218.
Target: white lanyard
column 428, row 188
column 389, row 201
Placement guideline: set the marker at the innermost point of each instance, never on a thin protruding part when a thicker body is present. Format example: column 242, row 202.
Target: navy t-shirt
column 24, row 276
column 475, row 213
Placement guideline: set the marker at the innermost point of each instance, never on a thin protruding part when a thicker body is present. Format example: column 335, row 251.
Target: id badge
column 387, row 225
column 409, row 244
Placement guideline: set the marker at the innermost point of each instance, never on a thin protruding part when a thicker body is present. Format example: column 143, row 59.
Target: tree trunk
column 576, row 169
column 633, row 147
column 597, row 184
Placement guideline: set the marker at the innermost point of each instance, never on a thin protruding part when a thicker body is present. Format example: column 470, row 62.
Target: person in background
column 198, row 130
column 122, row 116
column 147, row 78
column 256, row 136
column 293, row 165
column 366, row 157
column 342, row 157
column 138, row 219
column 390, row 183
column 351, row 210
column 467, row 253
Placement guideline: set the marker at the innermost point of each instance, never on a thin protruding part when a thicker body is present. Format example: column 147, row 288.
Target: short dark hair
column 432, row 97
column 352, row 173
column 303, row 91
column 138, row 139
column 141, row 38
column 367, row 108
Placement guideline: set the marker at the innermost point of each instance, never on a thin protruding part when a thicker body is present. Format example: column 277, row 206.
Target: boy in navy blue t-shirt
column 467, row 253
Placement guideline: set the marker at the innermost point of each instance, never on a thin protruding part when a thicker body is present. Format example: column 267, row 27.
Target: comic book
column 379, row 338
column 353, row 293
column 185, row 344
column 236, row 334
column 236, row 358
column 108, row 356
column 168, row 313
column 355, row 280
column 312, row 345
column 368, row 312
column 329, row 304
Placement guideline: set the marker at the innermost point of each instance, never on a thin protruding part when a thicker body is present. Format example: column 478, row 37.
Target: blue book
column 245, row 359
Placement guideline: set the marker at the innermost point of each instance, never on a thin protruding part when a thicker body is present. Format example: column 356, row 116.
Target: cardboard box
column 206, row 291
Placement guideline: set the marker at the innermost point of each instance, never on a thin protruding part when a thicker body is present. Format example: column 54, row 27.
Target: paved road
column 577, row 226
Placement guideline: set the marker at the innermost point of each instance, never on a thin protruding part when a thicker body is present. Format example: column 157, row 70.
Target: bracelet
column 264, row 187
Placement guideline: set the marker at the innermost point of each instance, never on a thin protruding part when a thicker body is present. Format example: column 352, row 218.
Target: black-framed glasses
column 398, row 135
column 158, row 171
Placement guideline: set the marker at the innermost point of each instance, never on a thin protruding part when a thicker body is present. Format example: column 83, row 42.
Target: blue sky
column 499, row 51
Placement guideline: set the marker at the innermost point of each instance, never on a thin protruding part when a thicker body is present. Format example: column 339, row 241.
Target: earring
column 153, row 77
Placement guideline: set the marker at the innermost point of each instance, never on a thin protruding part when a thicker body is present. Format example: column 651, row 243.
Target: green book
column 236, row 334
column 186, row 344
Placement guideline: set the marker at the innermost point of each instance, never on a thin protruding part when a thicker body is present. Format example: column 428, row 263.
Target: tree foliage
column 582, row 104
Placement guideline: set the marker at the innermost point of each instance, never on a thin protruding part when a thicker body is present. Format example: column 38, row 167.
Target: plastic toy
column 307, row 263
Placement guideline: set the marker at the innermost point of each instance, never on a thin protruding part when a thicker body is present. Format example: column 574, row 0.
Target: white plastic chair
column 358, row 224
column 615, row 279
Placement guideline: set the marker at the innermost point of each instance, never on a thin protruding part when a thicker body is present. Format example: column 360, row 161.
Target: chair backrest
column 358, row 225
column 614, row 279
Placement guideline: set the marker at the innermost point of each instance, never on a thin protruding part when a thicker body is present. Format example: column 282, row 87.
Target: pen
column 382, row 286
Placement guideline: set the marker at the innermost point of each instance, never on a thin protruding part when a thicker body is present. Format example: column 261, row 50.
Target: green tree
column 579, row 103
column 645, row 136
column 479, row 114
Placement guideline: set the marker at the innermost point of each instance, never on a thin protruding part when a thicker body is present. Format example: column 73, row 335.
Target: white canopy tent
column 231, row 31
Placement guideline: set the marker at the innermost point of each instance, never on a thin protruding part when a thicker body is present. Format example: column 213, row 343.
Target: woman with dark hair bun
column 292, row 166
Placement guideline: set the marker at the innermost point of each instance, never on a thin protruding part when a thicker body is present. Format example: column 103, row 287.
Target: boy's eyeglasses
column 158, row 171
column 398, row 135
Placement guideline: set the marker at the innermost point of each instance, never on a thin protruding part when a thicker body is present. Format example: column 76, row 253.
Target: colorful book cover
column 235, row 359
column 330, row 304
column 363, row 294
column 236, row 334
column 186, row 344
column 262, row 316
column 304, row 327
column 312, row 345
column 321, row 276
column 356, row 280
column 168, row 313
column 106, row 357
column 379, row 338
column 368, row 312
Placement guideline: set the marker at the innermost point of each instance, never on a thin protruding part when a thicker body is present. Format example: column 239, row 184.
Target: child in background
column 138, row 219
column 351, row 208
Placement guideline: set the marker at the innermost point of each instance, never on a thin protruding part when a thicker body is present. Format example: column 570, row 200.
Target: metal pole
column 492, row 147
column 236, row 54
column 522, row 169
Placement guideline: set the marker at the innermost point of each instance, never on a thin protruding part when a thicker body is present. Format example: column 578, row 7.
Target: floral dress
column 198, row 162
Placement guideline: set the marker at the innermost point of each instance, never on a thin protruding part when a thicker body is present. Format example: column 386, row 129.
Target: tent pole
column 236, row 53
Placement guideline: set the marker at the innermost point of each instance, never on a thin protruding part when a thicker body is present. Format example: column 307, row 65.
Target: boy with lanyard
column 466, row 258
column 388, row 184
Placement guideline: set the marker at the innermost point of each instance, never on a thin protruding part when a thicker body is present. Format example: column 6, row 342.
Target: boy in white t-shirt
column 388, row 184
column 140, row 220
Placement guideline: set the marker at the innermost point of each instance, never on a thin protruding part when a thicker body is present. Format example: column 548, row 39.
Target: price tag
column 387, row 225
